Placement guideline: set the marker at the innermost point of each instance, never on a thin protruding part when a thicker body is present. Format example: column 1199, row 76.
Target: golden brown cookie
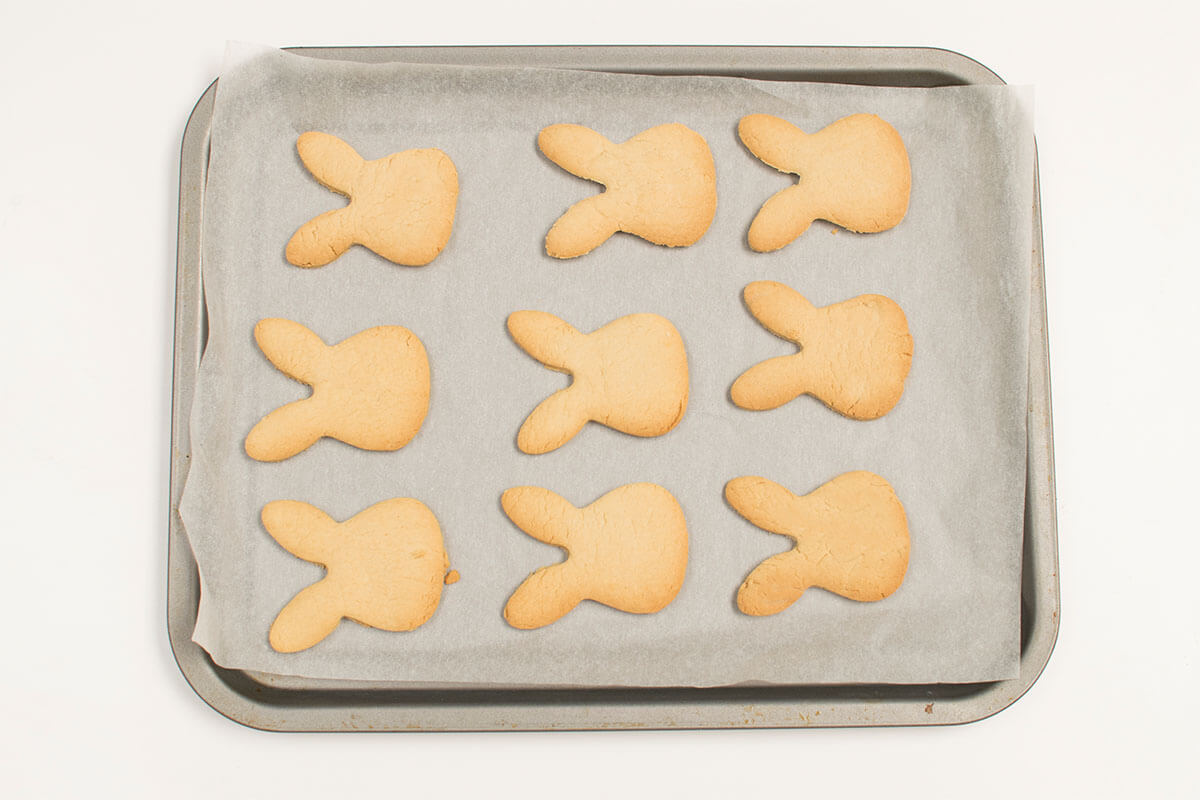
column 401, row 206
column 631, row 375
column 851, row 538
column 627, row 550
column 854, row 355
column 385, row 568
column 854, row 173
column 660, row 185
column 370, row 391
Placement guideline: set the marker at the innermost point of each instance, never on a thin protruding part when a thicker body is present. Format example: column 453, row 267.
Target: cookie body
column 370, row 391
column 627, row 550
column 660, row 185
column 854, row 173
column 631, row 375
column 854, row 357
column 851, row 537
column 401, row 206
column 385, row 568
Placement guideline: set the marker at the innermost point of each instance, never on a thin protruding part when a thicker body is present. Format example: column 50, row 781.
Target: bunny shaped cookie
column 850, row 537
column 631, row 375
column 401, row 206
column 627, row 550
column 370, row 391
column 854, row 355
column 385, row 568
column 854, row 173
column 660, row 185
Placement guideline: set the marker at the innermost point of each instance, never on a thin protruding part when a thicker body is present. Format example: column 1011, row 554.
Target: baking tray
column 272, row 702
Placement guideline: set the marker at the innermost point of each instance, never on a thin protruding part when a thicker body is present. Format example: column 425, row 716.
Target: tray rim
column 243, row 697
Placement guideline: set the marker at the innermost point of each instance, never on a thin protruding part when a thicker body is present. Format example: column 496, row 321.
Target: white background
column 93, row 101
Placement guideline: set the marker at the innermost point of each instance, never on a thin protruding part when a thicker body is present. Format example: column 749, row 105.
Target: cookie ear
column 772, row 140
column 321, row 240
column 539, row 512
column 773, row 585
column 302, row 529
column 576, row 149
column 779, row 308
column 331, row 161
column 307, row 619
column 545, row 596
column 286, row 431
column 294, row 350
column 584, row 227
column 764, row 503
column 784, row 217
column 545, row 337
column 553, row 423
column 769, row 384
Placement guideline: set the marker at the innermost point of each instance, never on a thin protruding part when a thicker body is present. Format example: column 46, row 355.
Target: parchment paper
column 953, row 449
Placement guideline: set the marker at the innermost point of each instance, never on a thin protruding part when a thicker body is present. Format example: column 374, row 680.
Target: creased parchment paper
column 953, row 449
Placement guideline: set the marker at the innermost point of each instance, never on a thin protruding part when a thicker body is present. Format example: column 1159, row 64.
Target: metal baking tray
column 281, row 703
